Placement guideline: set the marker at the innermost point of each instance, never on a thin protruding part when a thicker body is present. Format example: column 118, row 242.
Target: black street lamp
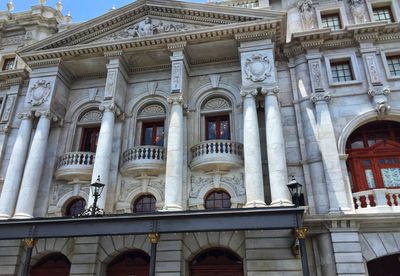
column 94, row 211
column 295, row 190
column 300, row 231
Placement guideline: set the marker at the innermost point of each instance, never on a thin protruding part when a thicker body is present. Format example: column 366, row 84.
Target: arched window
column 132, row 262
column 151, row 124
column 216, row 261
column 75, row 207
column 385, row 266
column 145, row 204
column 88, row 129
column 50, row 265
column 217, row 199
column 216, row 113
column 374, row 156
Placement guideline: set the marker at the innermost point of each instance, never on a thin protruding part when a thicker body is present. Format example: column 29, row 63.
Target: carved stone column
column 174, row 166
column 339, row 198
column 102, row 160
column 34, row 166
column 276, row 153
column 252, row 151
column 9, row 193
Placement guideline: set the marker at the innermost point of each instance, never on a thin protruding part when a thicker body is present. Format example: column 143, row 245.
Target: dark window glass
column 75, row 207
column 394, row 65
column 153, row 134
column 145, row 204
column 383, row 14
column 218, row 200
column 8, row 64
column 341, row 71
column 90, row 136
column 217, row 128
column 331, row 21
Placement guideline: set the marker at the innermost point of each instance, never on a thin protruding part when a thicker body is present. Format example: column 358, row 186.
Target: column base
column 255, row 204
column 281, row 202
column 4, row 216
column 172, row 208
column 22, row 216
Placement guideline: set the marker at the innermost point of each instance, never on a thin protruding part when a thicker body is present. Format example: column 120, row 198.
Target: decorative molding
column 178, row 46
column 44, row 63
column 270, row 91
column 152, row 110
column 258, row 68
column 214, row 79
column 175, row 99
column 216, row 104
column 25, row 115
column 320, row 97
column 372, row 68
column 197, row 183
column 247, row 93
column 236, row 183
column 39, row 92
column 176, row 76
column 112, row 107
column 47, row 114
column 307, row 14
column 316, row 74
column 91, row 116
column 372, row 92
column 8, row 108
column 152, row 87
column 357, row 8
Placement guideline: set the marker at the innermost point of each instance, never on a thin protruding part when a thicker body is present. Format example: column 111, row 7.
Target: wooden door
column 55, row 264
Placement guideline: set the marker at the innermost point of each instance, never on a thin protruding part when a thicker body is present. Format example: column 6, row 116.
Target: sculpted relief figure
column 148, row 27
column 358, row 10
column 306, row 13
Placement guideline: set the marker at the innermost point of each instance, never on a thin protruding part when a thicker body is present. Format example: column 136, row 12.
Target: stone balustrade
column 217, row 155
column 377, row 200
column 144, row 160
column 75, row 166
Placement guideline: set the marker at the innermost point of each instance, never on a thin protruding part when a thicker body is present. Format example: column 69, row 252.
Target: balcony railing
column 144, row 160
column 217, row 155
column 75, row 166
column 377, row 200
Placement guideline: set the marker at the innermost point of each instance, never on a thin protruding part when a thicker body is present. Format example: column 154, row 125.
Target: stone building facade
column 183, row 106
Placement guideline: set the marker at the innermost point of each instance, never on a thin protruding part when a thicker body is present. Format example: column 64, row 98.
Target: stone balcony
column 75, row 166
column 377, row 201
column 221, row 155
column 144, row 161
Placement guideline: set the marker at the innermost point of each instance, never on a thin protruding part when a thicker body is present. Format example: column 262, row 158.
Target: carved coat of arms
column 258, row 68
column 39, row 92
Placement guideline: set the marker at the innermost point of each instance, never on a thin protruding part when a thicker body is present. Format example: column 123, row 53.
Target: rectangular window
column 8, row 64
column 382, row 14
column 341, row 71
column 394, row 65
column 153, row 134
column 331, row 20
column 217, row 128
column 90, row 136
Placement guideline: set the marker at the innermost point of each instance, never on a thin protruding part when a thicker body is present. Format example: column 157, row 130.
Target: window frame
column 338, row 58
column 213, row 192
column 339, row 8
column 155, row 124
column 141, row 197
column 384, row 55
column 217, row 118
column 66, row 209
column 84, row 135
column 5, row 59
column 371, row 4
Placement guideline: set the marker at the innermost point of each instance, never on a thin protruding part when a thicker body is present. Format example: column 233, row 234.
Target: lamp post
column 94, row 211
column 300, row 231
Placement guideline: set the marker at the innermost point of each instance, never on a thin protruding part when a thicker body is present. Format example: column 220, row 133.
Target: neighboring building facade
column 181, row 106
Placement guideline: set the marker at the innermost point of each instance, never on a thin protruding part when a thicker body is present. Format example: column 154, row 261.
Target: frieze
column 236, row 183
column 258, row 68
column 148, row 27
column 197, row 183
column 39, row 92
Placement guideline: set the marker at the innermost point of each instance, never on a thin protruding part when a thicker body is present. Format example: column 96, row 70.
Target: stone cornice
column 160, row 41
column 12, row 77
column 206, row 15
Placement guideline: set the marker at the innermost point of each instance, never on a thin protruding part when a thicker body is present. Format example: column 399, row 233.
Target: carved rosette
column 320, row 98
column 248, row 93
column 306, row 14
column 39, row 92
column 258, row 68
column 358, row 10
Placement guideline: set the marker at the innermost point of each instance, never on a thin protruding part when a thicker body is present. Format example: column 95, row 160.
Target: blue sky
column 81, row 10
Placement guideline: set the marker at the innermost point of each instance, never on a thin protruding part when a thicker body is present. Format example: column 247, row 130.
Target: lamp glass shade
column 97, row 188
column 294, row 188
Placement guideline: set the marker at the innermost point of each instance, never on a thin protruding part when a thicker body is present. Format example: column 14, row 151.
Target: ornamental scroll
column 39, row 92
column 257, row 68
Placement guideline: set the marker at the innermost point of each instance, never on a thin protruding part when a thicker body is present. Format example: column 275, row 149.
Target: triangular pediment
column 147, row 18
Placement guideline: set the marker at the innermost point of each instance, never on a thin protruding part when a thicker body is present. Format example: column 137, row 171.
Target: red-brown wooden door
column 130, row 263
column 216, row 262
column 54, row 264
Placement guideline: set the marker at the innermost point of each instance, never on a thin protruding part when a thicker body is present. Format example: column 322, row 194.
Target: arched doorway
column 385, row 266
column 132, row 262
column 50, row 265
column 216, row 262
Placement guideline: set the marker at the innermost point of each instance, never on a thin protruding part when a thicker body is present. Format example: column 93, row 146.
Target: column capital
column 270, row 91
column 110, row 107
column 47, row 114
column 25, row 115
column 320, row 97
column 175, row 99
column 154, row 237
column 248, row 92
